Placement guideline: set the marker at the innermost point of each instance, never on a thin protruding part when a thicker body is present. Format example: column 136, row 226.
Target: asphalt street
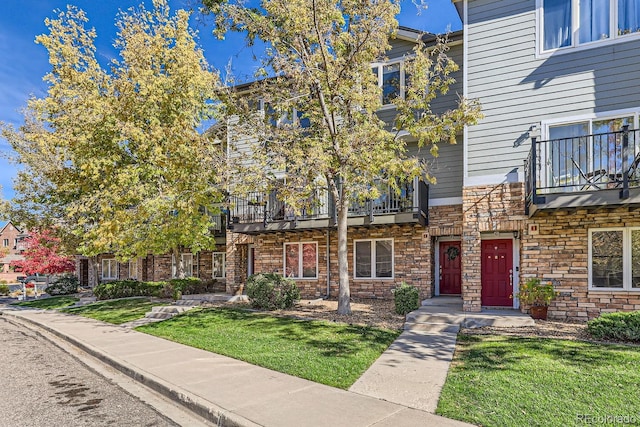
column 41, row 385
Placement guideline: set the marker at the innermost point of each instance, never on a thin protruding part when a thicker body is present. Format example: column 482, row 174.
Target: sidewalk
column 224, row 390
column 413, row 370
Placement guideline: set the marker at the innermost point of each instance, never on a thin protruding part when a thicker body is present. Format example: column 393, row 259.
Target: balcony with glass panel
column 260, row 212
column 575, row 168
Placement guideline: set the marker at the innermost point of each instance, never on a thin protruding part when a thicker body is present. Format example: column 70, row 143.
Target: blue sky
column 23, row 63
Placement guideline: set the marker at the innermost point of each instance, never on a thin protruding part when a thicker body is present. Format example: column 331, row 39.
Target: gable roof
column 7, row 224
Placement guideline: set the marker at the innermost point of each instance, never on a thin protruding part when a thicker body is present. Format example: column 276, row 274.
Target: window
column 568, row 23
column 219, row 264
column 391, row 78
column 109, row 269
column 301, row 260
column 5, row 243
column 578, row 149
column 133, row 269
column 187, row 262
column 373, row 258
column 614, row 258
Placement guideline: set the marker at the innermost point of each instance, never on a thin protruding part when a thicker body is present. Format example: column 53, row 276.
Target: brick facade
column 413, row 255
column 156, row 268
column 486, row 209
column 559, row 252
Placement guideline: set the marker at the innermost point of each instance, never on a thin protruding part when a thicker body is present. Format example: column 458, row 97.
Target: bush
column 406, row 298
column 271, row 291
column 175, row 288
column 128, row 288
column 63, row 286
column 621, row 326
column 4, row 289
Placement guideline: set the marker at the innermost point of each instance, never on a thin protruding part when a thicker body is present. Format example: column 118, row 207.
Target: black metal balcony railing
column 584, row 163
column 260, row 207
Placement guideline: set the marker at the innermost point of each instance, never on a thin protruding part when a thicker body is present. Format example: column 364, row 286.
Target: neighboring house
column 12, row 244
column 390, row 239
column 551, row 174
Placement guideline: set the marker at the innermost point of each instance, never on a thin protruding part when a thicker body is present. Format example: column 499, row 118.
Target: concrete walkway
column 414, row 368
column 229, row 392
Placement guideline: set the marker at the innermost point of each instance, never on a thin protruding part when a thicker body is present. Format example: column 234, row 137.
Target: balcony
column 259, row 212
column 584, row 171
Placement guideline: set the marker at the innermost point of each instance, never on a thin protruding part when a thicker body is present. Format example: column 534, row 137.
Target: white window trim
column 373, row 258
column 546, row 125
column 380, row 67
column 174, row 266
column 626, row 260
column 224, row 265
column 111, row 275
column 575, row 20
column 284, row 259
column 133, row 272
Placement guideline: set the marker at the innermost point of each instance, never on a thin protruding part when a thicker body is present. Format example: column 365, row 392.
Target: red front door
column 497, row 272
column 450, row 277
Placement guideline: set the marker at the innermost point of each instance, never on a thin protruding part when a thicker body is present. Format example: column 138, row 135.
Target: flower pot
column 538, row 312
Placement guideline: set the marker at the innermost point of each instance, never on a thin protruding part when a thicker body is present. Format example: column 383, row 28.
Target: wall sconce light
column 516, row 234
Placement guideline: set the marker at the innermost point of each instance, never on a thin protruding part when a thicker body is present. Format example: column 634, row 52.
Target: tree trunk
column 93, row 272
column 178, row 262
column 344, row 294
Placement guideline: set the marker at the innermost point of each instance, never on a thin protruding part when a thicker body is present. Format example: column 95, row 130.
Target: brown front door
column 84, row 272
column 450, row 270
column 497, row 272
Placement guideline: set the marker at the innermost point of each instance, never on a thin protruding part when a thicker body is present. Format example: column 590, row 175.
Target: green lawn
column 115, row 311
column 329, row 353
column 49, row 303
column 510, row 381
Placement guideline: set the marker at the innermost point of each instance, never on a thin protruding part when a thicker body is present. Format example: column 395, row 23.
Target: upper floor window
column 391, row 78
column 588, row 154
column 568, row 23
column 5, row 243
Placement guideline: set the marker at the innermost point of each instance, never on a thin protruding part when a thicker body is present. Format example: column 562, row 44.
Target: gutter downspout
column 328, row 267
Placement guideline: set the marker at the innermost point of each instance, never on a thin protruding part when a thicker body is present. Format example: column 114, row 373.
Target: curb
column 208, row 410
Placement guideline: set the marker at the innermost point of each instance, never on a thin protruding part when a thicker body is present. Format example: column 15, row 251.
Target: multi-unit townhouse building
column 546, row 185
column 390, row 239
column 551, row 173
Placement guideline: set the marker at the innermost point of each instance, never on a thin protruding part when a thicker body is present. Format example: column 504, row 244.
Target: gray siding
column 446, row 168
column 443, row 102
column 517, row 90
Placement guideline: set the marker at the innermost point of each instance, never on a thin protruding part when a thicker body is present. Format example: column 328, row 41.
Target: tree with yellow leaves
column 320, row 53
column 114, row 156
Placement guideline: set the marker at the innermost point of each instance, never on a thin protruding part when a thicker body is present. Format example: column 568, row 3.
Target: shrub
column 406, row 298
column 65, row 285
column 3, row 282
column 622, row 326
column 128, row 288
column 175, row 288
column 271, row 291
column 4, row 289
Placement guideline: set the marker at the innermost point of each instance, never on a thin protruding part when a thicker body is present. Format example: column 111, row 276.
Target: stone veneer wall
column 559, row 252
column 495, row 208
column 413, row 255
column 237, row 260
column 158, row 267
